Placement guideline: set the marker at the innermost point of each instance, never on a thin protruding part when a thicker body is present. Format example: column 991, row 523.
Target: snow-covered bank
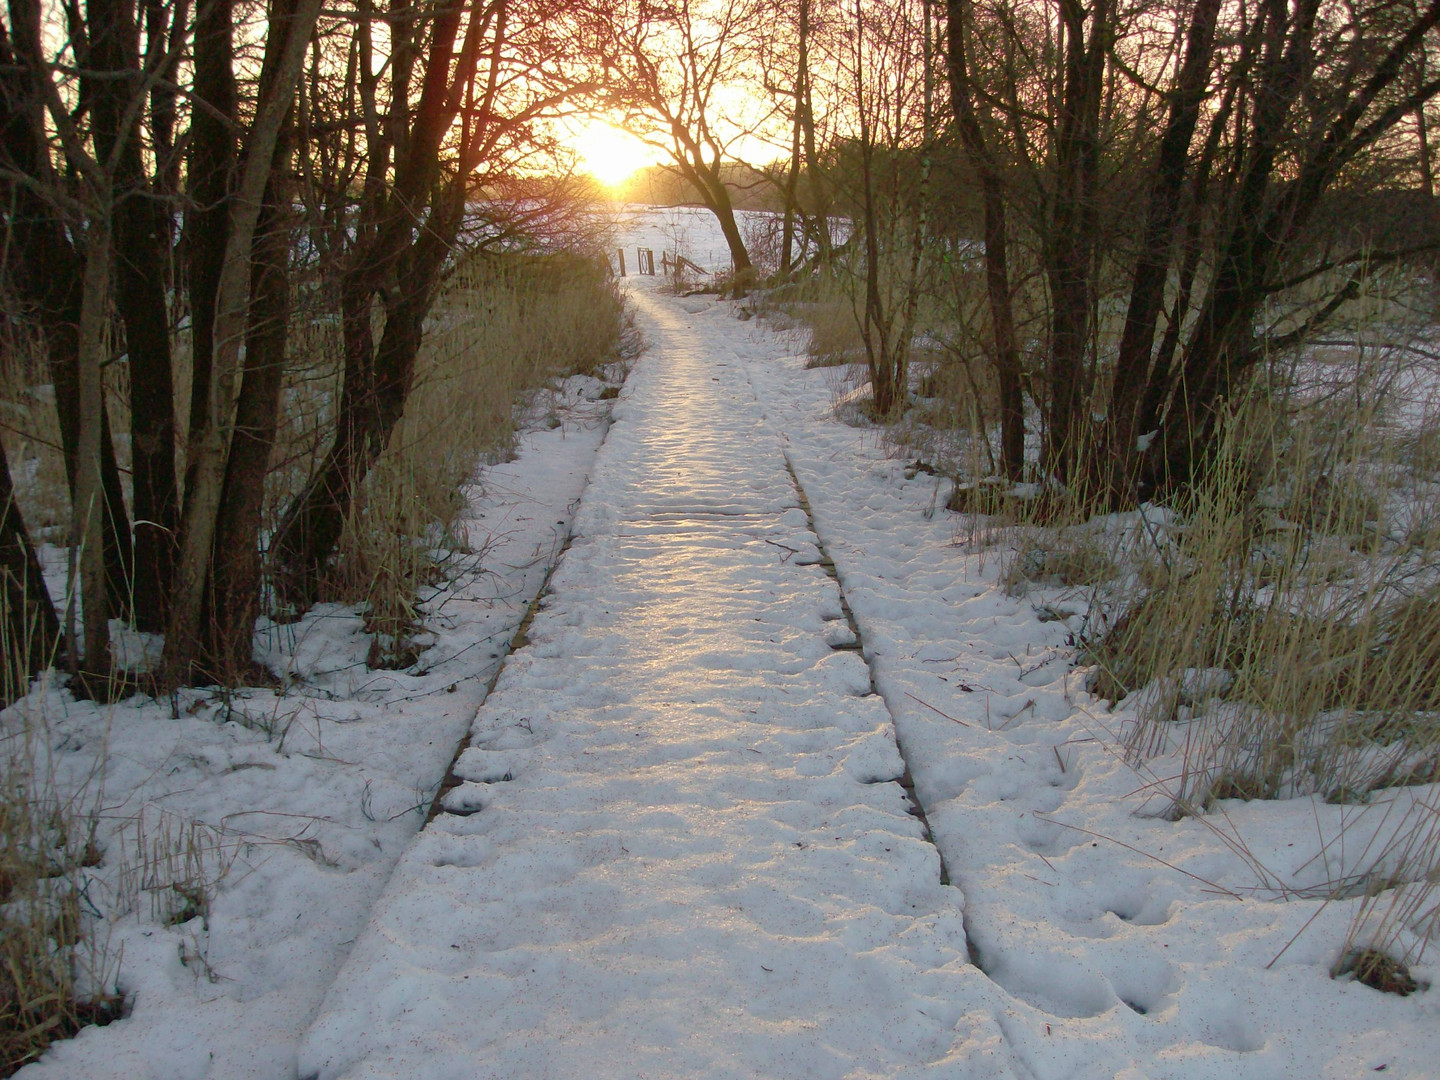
column 281, row 812
column 1138, row 943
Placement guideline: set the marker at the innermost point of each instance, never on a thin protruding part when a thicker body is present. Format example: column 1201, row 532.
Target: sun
column 610, row 155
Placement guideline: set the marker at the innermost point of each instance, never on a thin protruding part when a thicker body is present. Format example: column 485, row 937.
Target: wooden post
column 621, row 253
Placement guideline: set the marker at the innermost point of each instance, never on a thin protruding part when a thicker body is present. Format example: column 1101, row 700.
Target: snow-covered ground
column 287, row 809
column 1125, row 943
column 682, row 847
column 1112, row 942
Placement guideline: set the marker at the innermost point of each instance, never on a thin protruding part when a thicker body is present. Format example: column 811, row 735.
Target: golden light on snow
column 609, row 154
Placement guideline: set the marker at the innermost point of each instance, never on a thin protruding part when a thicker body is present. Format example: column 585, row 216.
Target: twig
column 1146, row 854
column 932, row 708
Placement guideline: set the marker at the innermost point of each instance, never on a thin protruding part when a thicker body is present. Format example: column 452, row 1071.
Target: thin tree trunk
column 29, row 630
column 874, row 329
column 87, row 530
column 797, row 134
column 812, row 158
column 1422, row 127
column 1005, row 352
column 235, row 589
column 212, row 163
column 792, row 182
column 140, row 296
column 47, row 273
column 1072, row 230
column 919, row 213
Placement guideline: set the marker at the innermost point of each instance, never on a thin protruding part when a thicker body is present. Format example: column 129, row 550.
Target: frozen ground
column 681, row 847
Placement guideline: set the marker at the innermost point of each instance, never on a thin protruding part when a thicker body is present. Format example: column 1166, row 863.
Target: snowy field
column 682, row 846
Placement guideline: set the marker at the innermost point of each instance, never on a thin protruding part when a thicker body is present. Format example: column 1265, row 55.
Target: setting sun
column 610, row 155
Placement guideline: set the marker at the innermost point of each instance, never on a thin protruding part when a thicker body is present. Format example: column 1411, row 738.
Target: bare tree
column 674, row 76
column 1264, row 106
column 45, row 268
column 484, row 75
column 889, row 67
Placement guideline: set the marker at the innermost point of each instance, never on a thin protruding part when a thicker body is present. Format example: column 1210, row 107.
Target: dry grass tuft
column 834, row 334
column 54, row 978
column 1284, row 642
column 1061, row 558
column 1378, row 970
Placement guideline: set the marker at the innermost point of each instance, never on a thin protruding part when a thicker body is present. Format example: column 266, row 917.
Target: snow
column 289, row 807
column 700, row 864
column 680, row 846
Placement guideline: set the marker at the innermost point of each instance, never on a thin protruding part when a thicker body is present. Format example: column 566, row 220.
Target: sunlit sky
column 612, row 155
column 609, row 154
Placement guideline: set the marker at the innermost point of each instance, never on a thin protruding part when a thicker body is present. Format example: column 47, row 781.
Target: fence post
column 621, row 253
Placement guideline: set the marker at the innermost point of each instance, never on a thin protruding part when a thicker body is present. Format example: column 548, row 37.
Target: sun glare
column 610, row 155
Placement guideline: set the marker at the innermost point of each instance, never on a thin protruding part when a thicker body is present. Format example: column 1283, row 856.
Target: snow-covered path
column 679, row 848
column 682, row 850
column 691, row 857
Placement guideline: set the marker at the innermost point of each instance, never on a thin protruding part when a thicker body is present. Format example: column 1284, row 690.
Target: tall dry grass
column 504, row 325
column 1279, row 634
column 55, row 976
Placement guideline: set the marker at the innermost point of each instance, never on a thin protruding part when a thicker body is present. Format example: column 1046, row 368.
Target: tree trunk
column 741, row 269
column 1005, row 352
column 813, row 171
column 1427, row 174
column 210, row 177
column 29, row 629
column 87, row 528
column 235, row 588
column 792, row 180
column 140, row 266
column 1070, row 243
